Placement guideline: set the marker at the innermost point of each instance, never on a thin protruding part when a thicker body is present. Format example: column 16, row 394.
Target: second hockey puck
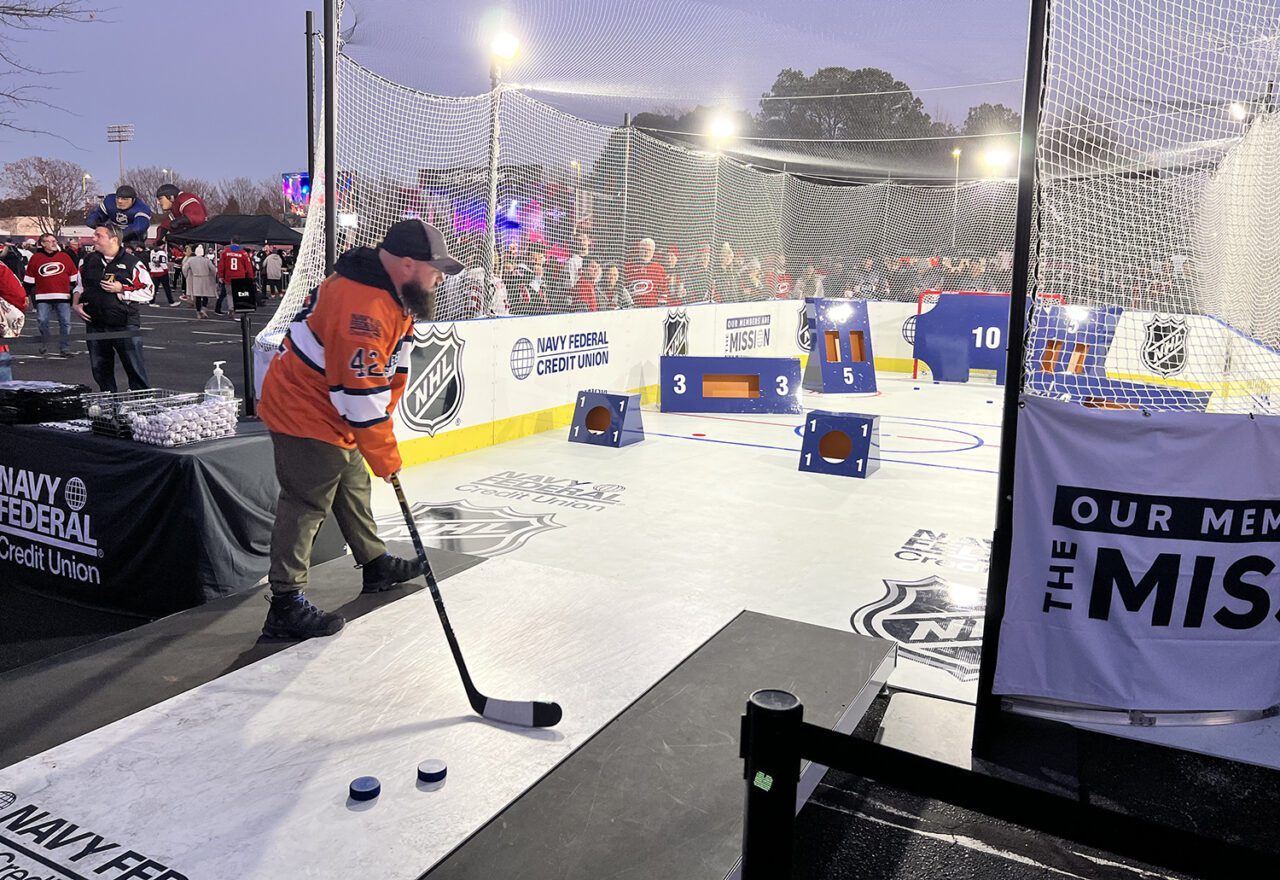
column 365, row 788
column 432, row 770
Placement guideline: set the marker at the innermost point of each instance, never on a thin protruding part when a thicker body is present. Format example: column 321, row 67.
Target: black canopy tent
column 250, row 230
column 246, row 229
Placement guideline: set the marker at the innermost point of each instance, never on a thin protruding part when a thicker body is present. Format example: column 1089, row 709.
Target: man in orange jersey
column 328, row 398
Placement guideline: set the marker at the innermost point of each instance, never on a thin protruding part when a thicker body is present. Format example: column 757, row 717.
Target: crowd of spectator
column 534, row 278
column 59, row 279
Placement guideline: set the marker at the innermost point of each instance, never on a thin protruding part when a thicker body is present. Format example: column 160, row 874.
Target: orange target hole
column 598, row 419
column 835, row 446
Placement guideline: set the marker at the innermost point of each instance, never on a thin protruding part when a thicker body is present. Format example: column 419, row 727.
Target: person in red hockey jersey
column 235, row 270
column 51, row 276
column 646, row 279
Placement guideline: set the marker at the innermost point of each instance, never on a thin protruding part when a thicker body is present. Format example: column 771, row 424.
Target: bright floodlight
column 1237, row 111
column 505, row 46
column 955, row 154
column 997, row 159
column 722, row 127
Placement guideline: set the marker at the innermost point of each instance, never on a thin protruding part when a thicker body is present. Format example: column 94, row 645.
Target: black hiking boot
column 293, row 617
column 388, row 571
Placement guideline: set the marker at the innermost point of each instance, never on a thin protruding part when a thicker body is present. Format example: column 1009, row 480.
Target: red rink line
column 727, row 419
column 781, row 425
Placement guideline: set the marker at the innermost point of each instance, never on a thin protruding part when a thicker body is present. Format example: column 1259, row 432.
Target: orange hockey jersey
column 343, row 364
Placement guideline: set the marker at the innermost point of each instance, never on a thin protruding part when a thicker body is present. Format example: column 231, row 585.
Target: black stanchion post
column 246, row 341
column 771, row 749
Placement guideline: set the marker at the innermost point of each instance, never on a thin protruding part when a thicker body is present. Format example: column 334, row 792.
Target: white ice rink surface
column 589, row 602
column 717, row 502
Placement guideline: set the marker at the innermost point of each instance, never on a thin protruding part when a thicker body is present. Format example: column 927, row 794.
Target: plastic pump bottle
column 219, row 387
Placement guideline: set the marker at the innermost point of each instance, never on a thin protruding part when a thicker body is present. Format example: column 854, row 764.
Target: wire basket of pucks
column 159, row 417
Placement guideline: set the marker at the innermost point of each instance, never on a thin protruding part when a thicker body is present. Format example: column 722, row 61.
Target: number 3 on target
column 678, row 383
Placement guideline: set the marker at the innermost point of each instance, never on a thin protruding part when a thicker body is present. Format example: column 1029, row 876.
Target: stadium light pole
column 84, row 187
column 955, row 201
column 720, row 130
column 987, row 715
column 502, row 49
column 120, row 135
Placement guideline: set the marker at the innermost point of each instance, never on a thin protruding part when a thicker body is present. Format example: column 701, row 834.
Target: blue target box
column 601, row 418
column 841, row 359
column 963, row 332
column 730, row 384
column 840, row 443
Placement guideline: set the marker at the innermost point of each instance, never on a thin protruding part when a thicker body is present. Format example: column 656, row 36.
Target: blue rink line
column 948, row 467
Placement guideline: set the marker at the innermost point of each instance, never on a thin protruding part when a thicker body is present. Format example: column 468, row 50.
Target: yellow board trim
column 1241, row 386
column 421, row 450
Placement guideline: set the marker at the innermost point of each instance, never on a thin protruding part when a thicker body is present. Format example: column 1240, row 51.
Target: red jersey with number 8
column 234, row 265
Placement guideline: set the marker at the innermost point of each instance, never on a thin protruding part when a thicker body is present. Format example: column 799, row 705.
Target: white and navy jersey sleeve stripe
column 361, row 407
column 306, row 346
column 403, row 351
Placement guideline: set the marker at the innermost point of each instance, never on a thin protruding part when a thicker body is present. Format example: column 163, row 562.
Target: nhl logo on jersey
column 434, row 393
column 675, row 332
column 468, row 528
column 803, row 337
column 1164, row 348
column 933, row 623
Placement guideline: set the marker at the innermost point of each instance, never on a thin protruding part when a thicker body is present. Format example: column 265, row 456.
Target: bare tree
column 17, row 93
column 241, row 191
column 55, row 188
column 146, row 180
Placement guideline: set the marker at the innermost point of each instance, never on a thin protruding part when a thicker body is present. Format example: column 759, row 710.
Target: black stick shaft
column 472, row 694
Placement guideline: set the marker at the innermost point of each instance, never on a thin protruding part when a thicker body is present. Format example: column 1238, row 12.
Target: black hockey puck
column 365, row 788
column 432, row 770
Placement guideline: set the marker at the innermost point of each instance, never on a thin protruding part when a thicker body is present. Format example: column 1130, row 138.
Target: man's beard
column 420, row 301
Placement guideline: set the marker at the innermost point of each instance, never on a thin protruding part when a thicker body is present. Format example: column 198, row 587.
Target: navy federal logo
column 6, row 799
column 1164, row 346
column 436, row 386
column 464, row 527
column 934, row 622
column 675, row 332
column 804, row 335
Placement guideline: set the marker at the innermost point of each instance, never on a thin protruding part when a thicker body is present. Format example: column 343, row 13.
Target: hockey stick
column 523, row 714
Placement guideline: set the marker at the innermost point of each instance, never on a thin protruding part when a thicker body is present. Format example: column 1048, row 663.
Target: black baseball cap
column 126, row 192
column 420, row 241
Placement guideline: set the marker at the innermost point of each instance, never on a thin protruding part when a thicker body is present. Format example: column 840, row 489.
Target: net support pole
column 330, row 135
column 311, row 99
column 626, row 178
column 491, row 204
column 986, row 718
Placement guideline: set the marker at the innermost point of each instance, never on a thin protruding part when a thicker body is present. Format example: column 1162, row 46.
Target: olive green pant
column 316, row 477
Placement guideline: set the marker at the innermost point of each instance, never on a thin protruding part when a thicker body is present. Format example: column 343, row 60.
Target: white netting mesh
column 1158, row 162
column 719, row 228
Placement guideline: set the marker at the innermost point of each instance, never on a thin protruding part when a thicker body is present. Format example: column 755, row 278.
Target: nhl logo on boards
column 468, row 528
column 1164, row 348
column 934, row 622
column 675, row 333
column 433, row 397
column 804, row 340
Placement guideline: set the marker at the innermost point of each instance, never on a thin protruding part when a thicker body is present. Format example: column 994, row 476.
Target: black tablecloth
column 120, row 525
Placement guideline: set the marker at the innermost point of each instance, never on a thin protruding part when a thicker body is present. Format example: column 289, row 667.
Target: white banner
column 1143, row 571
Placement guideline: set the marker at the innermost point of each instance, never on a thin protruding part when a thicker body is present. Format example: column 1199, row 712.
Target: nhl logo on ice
column 467, row 528
column 803, row 338
column 1164, row 349
column 932, row 621
column 434, row 395
column 675, row 332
